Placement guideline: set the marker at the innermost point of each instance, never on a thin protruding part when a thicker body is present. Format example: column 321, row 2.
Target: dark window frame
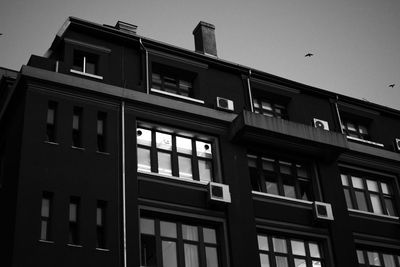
column 74, row 237
column 47, row 220
column 278, row 108
column 101, row 132
column 363, row 260
column 77, row 129
column 358, row 128
column 51, row 122
column 82, row 59
column 101, row 226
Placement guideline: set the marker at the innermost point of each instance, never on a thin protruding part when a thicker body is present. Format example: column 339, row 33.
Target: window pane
column 266, row 105
column 345, row 180
column 305, row 190
column 360, row 257
column 143, row 155
column 209, row 236
column 184, row 145
column 99, row 216
column 300, row 263
column 281, row 261
column 262, row 242
column 72, row 212
column 205, row 170
column 43, row 230
column 164, row 163
column 372, row 185
column 143, row 137
column 252, row 161
column 289, row 191
column 376, row 204
column 314, row 250
column 388, row 260
column 203, row 149
column 279, row 244
column 169, row 254
column 100, row 126
column 301, row 170
column 267, row 164
column 211, row 257
column 50, row 116
column 148, row 250
column 163, row 141
column 191, row 255
column 373, row 258
column 189, row 232
column 298, row 248
column 316, row 264
column 272, row 186
column 348, row 198
column 385, row 188
column 285, row 167
column 264, row 259
column 390, row 207
column 185, row 167
column 45, row 207
column 168, row 229
column 357, row 182
column 147, row 226
column 361, row 201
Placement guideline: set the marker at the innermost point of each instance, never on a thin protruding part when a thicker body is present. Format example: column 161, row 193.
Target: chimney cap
column 126, row 27
column 204, row 24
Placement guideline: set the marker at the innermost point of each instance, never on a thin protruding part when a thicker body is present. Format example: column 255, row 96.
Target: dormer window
column 86, row 64
column 269, row 108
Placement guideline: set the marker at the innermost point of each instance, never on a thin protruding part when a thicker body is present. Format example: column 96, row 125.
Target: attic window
column 86, row 64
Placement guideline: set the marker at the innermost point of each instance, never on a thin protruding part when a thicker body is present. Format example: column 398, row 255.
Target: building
column 118, row 150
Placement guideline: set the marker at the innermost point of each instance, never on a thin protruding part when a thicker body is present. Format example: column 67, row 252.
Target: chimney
column 204, row 38
column 126, row 27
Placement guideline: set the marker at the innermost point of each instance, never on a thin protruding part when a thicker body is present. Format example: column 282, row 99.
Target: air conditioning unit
column 219, row 192
column 322, row 211
column 321, row 124
column 397, row 144
column 225, row 104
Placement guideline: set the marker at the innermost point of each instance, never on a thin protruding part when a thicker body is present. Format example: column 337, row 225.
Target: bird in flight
column 309, row 55
column 392, row 85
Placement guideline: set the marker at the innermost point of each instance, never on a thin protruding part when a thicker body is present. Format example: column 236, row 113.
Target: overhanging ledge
column 260, row 129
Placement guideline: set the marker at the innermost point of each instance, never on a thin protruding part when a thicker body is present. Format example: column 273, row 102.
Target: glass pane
column 357, row 182
column 264, row 259
column 272, row 186
column 362, row 129
column 285, row 167
column 45, row 207
column 191, row 255
column 279, row 244
column 252, row 161
column 373, row 258
column 281, row 261
column 266, row 105
column 390, row 210
column 209, row 236
column 361, row 201
column 189, row 232
column 348, row 198
column 316, row 264
column 267, row 164
column 385, row 188
column 300, row 263
column 99, row 216
column 203, row 149
column 148, row 250
column 163, row 141
column 147, row 226
column 289, row 191
column 211, row 257
column 262, row 242
column 372, row 185
column 72, row 212
column 168, row 229
column 360, row 257
column 164, row 163
column 75, row 122
column 143, row 159
column 298, row 247
column 90, row 68
column 376, row 204
column 100, row 127
column 169, row 254
column 305, row 190
column 143, row 136
column 345, row 180
column 314, row 250
column 302, row 170
column 255, row 103
column 205, row 170
column 185, row 167
column 388, row 260
column 184, row 145
column 43, row 230
column 350, row 126
column 50, row 116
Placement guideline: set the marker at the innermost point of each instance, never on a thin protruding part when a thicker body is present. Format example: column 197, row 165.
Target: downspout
column 249, row 89
column 338, row 114
column 123, row 180
column 147, row 66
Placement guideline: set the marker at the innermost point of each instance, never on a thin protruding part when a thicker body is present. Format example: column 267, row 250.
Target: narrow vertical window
column 100, row 224
column 45, row 216
column 51, row 122
column 73, row 221
column 77, row 127
column 101, row 126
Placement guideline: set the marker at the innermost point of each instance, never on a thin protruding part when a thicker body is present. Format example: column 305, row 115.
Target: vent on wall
column 322, row 211
column 219, row 192
column 225, row 104
column 321, row 124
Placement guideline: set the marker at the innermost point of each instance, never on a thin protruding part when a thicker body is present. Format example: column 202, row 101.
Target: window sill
column 365, row 141
column 78, row 148
column 103, row 249
column 86, row 74
column 283, row 198
column 74, row 246
column 177, row 96
column 46, row 241
column 51, row 143
column 103, row 153
column 374, row 214
column 186, row 180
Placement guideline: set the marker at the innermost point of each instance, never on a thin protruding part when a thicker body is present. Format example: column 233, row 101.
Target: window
column 172, row 84
column 375, row 258
column 355, row 129
column 101, row 127
column 172, row 154
column 369, row 194
column 73, row 237
column 85, row 62
column 45, row 216
column 280, row 177
column 168, row 243
column 269, row 108
column 76, row 127
column 51, row 122
column 100, row 224
column 278, row 251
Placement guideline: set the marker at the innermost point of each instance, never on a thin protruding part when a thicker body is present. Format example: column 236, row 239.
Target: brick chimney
column 204, row 38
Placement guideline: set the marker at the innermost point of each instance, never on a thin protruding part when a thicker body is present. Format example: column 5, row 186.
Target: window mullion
column 367, row 195
column 174, row 157
column 261, row 175
column 195, row 161
column 296, row 180
column 158, row 242
column 180, row 250
column 279, row 178
column 202, row 248
column 352, row 192
column 153, row 153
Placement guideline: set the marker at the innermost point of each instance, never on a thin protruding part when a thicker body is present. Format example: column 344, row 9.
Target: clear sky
column 356, row 43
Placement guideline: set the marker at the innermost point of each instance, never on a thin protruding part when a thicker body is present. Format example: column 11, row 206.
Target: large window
column 176, row 154
column 269, row 108
column 280, row 177
column 85, row 62
column 46, row 216
column 355, row 129
column 371, row 257
column 167, row 243
column 367, row 193
column 278, row 251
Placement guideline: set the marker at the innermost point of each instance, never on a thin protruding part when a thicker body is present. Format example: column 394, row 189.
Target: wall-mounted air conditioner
column 321, row 124
column 219, row 192
column 397, row 144
column 322, row 211
column 225, row 104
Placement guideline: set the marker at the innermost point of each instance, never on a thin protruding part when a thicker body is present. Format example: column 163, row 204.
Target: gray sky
column 356, row 42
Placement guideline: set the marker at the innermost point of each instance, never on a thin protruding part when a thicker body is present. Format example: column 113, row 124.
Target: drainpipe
column 123, row 180
column 250, row 95
column 147, row 66
column 338, row 114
